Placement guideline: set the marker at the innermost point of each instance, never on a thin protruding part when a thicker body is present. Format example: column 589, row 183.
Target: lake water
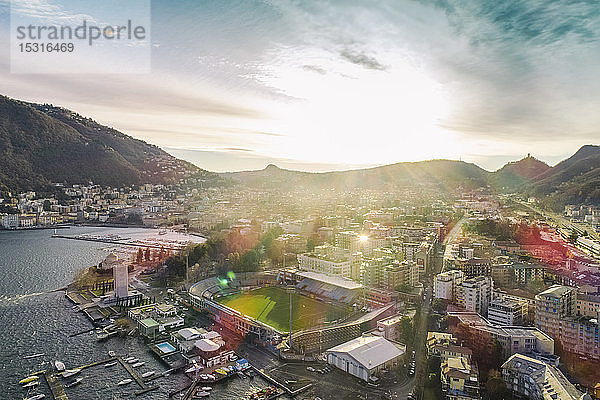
column 35, row 320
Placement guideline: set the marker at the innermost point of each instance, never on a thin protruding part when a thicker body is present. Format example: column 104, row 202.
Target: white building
column 365, row 356
column 446, row 284
column 10, row 221
column 391, row 327
column 507, row 312
column 331, row 260
column 120, row 274
column 475, row 294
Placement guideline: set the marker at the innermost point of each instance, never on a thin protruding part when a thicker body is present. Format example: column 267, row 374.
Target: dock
column 58, row 392
column 144, row 387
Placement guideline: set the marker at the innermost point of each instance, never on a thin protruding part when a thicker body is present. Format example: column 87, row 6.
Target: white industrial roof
column 206, row 345
column 369, row 351
column 189, row 333
column 330, row 279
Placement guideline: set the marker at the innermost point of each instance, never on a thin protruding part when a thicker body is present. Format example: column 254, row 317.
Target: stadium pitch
column 271, row 306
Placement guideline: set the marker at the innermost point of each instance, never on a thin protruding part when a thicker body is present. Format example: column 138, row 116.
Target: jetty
column 136, row 377
column 166, row 246
column 58, row 391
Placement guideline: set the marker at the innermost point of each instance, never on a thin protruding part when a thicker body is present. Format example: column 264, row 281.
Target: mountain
column 514, row 175
column 42, row 144
column 575, row 180
column 443, row 174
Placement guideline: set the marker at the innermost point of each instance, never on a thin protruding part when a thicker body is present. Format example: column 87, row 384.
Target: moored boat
column 133, row 360
column 110, row 364
column 36, row 397
column 34, row 356
column 207, row 388
column 71, row 372
column 59, row 365
column 29, row 379
column 125, row 382
column 31, row 384
column 73, row 382
column 201, row 394
column 139, row 364
column 147, row 374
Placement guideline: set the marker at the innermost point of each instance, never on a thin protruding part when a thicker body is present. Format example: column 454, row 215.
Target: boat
column 31, row 384
column 110, row 364
column 29, row 379
column 133, row 360
column 128, row 359
column 263, row 393
column 73, row 382
column 201, row 394
column 147, row 374
column 207, row 388
column 70, row 372
column 36, row 397
column 59, row 365
column 34, row 356
column 125, row 382
column 139, row 364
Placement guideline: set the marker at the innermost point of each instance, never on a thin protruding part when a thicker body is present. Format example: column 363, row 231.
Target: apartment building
column 331, row 260
column 529, row 378
column 446, row 284
column 507, row 312
column 475, row 294
column 460, row 379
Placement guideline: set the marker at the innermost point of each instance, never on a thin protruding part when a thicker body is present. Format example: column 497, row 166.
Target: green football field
column 271, row 305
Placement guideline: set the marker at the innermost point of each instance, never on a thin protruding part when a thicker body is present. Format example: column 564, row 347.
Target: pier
column 144, row 387
column 58, row 392
column 124, row 243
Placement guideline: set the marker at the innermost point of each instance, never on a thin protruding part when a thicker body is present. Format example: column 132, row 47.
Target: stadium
column 258, row 304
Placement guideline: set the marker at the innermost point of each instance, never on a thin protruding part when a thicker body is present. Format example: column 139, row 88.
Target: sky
column 328, row 85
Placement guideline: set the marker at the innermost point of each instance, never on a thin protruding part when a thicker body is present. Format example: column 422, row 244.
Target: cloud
column 362, row 59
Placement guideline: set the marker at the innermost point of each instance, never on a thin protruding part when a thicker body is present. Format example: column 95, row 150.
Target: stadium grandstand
column 330, row 287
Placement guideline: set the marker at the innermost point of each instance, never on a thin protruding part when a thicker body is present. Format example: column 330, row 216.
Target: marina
column 52, row 316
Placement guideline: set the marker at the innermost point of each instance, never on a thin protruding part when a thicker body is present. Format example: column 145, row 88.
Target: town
column 397, row 294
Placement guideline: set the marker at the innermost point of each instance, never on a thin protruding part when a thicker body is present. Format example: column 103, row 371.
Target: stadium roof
column 330, row 279
column 369, row 351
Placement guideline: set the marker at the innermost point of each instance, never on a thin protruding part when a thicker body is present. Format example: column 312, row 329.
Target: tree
column 438, row 305
column 140, row 256
column 84, row 278
column 407, row 330
column 495, row 387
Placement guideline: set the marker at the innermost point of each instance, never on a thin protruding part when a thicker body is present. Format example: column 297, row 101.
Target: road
column 454, row 233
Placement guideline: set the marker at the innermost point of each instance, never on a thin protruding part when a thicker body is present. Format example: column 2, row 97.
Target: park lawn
column 271, row 306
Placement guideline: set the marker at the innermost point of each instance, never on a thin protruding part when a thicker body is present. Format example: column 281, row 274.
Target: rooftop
column 332, row 280
column 369, row 351
column 556, row 291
